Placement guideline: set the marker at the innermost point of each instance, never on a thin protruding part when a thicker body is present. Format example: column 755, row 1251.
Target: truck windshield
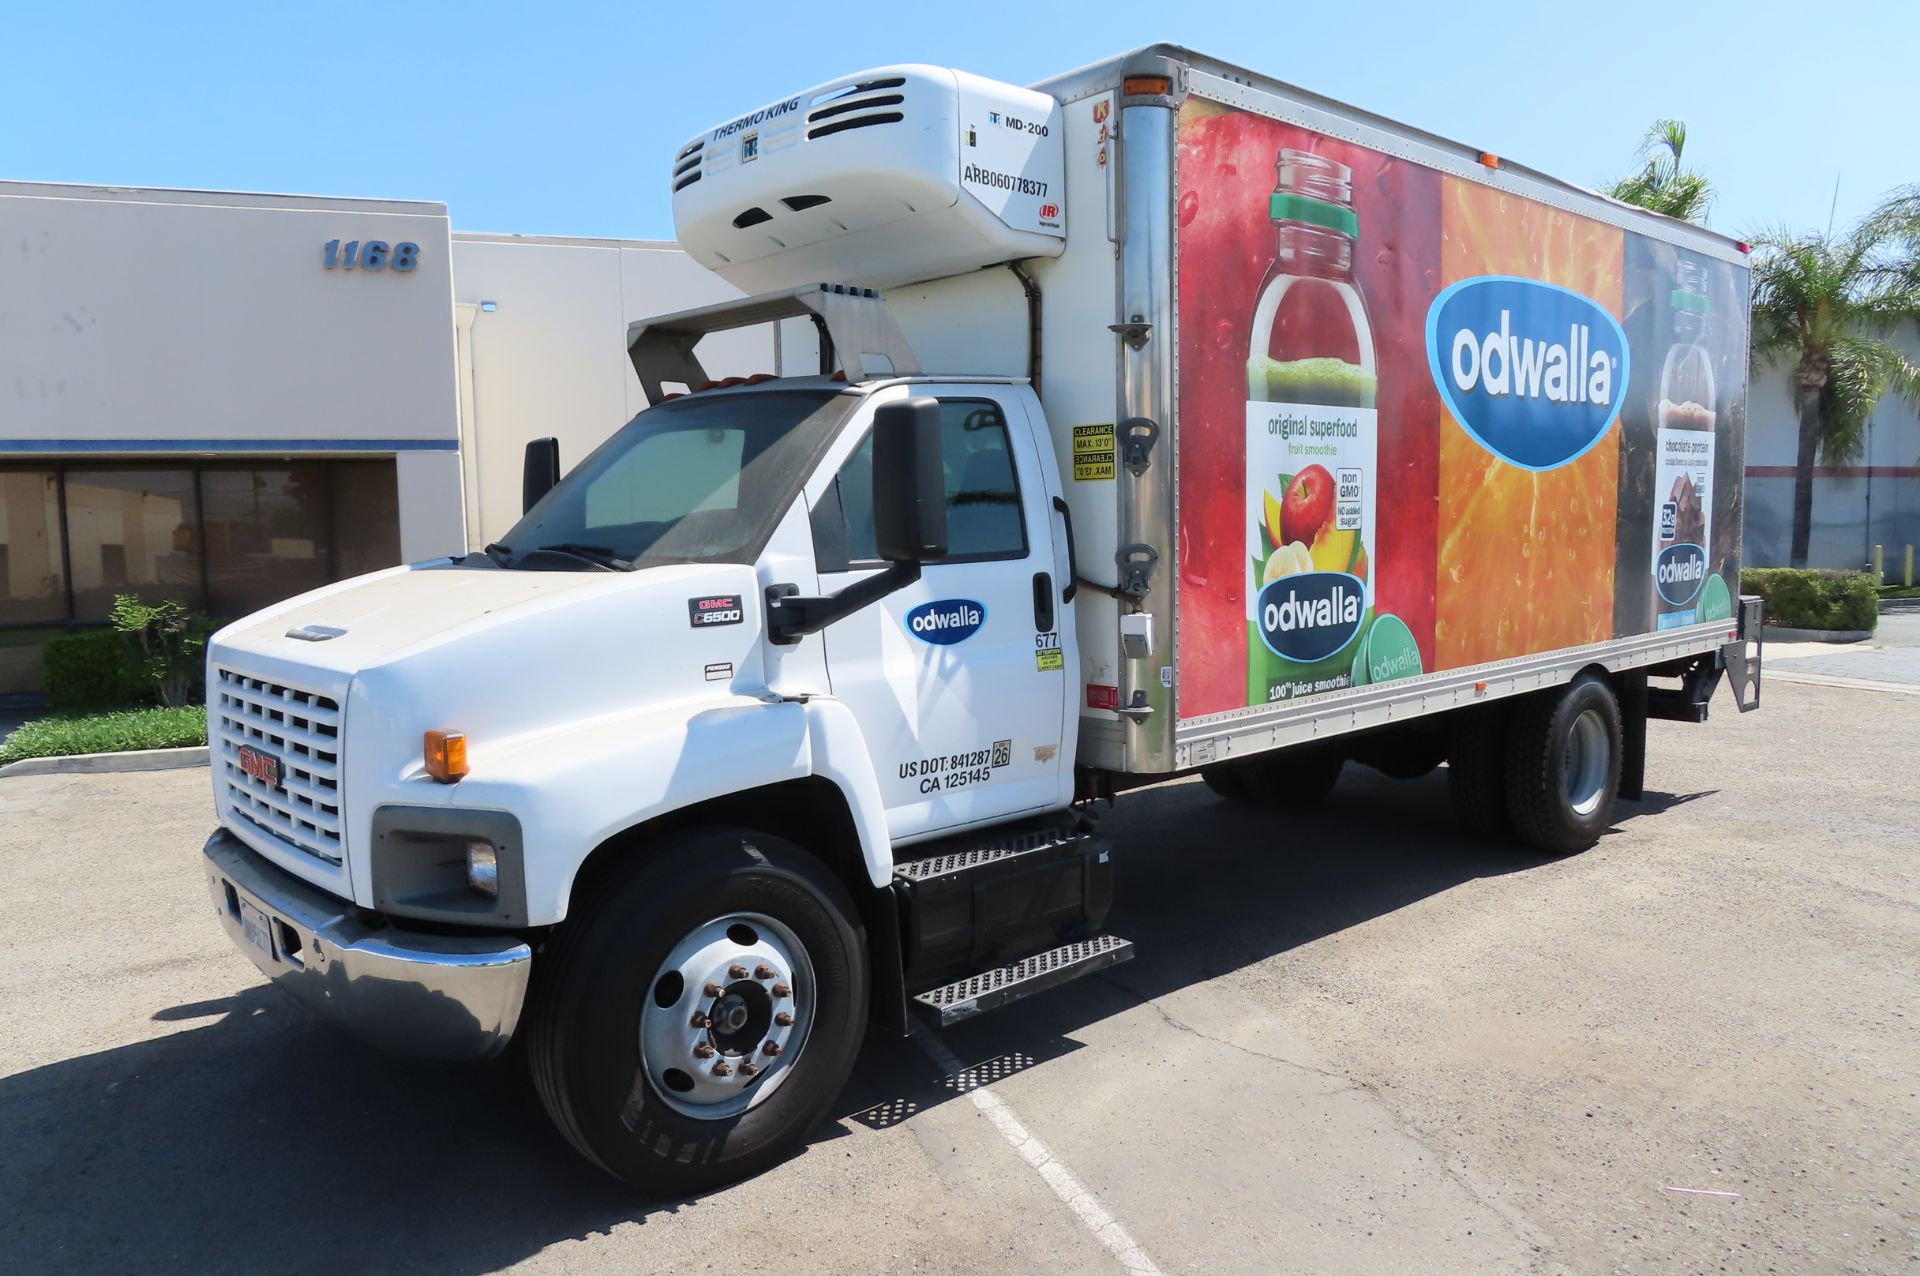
column 694, row 480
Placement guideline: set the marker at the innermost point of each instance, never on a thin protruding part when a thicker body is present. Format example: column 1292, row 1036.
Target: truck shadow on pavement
column 263, row 1139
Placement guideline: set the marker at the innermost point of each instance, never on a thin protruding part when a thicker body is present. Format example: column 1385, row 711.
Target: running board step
column 992, row 989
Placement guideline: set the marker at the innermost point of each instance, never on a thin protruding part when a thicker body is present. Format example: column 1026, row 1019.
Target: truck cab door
column 959, row 680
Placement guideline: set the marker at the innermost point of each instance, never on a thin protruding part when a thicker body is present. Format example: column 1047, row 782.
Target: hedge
column 1802, row 598
column 67, row 734
column 92, row 668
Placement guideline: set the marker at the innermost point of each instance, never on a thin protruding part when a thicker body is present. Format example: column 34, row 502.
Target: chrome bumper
column 439, row 996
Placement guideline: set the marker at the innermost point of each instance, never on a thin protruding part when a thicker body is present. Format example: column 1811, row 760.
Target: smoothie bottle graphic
column 1684, row 589
column 1311, row 447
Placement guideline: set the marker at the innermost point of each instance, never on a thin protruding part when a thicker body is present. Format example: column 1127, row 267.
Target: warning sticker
column 1050, row 660
column 1093, row 452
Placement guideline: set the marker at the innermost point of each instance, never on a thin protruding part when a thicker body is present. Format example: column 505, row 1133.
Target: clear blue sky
column 561, row 117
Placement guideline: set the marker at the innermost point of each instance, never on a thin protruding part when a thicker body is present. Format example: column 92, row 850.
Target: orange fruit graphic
column 1525, row 557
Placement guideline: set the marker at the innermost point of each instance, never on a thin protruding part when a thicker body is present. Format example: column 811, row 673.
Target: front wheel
column 694, row 1022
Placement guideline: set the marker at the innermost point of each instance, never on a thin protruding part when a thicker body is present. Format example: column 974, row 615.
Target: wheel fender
column 839, row 754
column 574, row 789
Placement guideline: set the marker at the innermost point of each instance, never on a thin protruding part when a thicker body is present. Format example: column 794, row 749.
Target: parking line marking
column 1074, row 1194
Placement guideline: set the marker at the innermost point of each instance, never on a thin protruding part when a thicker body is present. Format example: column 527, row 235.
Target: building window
column 33, row 574
column 131, row 530
column 222, row 537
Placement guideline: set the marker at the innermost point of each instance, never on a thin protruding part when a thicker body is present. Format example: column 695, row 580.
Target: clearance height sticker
column 1093, row 452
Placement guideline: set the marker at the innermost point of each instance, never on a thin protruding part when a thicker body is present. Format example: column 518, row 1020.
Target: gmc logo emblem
column 1050, row 211
column 723, row 609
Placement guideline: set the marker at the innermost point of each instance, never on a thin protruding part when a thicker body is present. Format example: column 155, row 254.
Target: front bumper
column 410, row 992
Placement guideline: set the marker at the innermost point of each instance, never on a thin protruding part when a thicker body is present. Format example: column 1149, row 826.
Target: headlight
column 483, row 868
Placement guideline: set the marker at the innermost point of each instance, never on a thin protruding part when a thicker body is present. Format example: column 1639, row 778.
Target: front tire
column 697, row 1017
column 1563, row 766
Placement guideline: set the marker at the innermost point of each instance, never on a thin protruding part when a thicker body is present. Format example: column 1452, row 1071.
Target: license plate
column 263, row 767
column 255, row 930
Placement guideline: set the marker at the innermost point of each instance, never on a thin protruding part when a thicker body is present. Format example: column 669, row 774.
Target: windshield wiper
column 600, row 556
column 501, row 554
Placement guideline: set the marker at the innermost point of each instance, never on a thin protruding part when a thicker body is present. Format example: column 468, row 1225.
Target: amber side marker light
column 1146, row 86
column 446, row 756
column 1489, row 159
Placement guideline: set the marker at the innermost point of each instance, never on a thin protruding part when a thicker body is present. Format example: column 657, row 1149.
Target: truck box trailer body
column 1168, row 419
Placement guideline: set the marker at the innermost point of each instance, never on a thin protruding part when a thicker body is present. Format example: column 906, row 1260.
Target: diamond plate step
column 992, row 989
column 978, row 852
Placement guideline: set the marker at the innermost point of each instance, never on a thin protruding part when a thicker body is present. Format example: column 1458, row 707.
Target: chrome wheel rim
column 726, row 1016
column 1585, row 769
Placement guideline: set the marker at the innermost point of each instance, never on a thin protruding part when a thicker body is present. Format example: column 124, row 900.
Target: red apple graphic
column 1307, row 505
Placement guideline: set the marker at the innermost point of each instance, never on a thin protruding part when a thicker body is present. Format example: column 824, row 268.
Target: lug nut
column 749, row 1069
column 699, row 1021
column 736, row 971
column 781, row 990
column 715, row 990
column 770, row 1049
column 723, row 1069
column 763, row 971
column 784, row 1019
column 704, row 1050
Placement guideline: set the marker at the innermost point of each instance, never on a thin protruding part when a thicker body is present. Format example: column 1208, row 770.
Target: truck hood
column 440, row 645
column 371, row 620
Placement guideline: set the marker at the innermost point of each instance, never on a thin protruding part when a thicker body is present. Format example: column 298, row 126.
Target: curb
column 99, row 763
column 1899, row 604
column 1776, row 633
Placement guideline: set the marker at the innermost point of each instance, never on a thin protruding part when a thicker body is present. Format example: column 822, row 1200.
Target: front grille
column 302, row 729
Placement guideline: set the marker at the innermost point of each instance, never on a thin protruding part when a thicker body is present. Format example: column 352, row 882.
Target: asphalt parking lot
column 1352, row 1042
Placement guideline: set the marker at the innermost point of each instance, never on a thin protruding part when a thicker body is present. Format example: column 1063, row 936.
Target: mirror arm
column 791, row 617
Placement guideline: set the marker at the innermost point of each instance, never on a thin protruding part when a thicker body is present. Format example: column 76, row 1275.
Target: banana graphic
column 1286, row 560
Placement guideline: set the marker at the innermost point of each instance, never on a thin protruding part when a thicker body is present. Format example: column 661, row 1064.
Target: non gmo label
column 715, row 609
column 1093, row 453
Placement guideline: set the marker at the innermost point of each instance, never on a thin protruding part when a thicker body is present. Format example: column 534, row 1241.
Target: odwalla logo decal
column 947, row 620
column 1536, row 373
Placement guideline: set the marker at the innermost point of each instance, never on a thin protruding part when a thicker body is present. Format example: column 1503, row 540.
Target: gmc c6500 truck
column 1158, row 419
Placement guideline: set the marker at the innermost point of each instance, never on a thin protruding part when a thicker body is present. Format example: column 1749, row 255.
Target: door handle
column 1073, row 558
column 1042, row 603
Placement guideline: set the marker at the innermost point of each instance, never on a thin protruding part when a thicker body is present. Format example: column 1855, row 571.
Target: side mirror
column 539, row 472
column 909, row 482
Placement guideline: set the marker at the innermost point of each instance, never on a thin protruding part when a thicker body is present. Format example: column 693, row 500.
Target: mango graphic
column 1333, row 550
column 1274, row 515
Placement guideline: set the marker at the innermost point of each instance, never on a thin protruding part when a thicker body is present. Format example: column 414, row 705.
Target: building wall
column 1875, row 500
column 205, row 323
column 542, row 326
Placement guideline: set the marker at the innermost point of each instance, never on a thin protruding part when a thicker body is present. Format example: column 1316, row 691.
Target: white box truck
column 1167, row 419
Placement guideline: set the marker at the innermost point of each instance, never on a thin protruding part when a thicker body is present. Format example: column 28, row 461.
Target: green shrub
column 169, row 644
column 66, row 734
column 1801, row 598
column 90, row 668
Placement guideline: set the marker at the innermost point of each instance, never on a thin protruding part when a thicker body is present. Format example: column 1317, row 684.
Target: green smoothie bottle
column 1312, row 469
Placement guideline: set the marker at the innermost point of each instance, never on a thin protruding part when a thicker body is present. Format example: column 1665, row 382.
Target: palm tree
column 1662, row 184
column 1830, row 302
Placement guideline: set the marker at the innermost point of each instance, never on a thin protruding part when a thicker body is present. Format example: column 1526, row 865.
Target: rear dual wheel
column 696, row 1018
column 1543, row 769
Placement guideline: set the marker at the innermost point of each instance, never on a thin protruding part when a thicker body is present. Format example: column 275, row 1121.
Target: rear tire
column 1294, row 779
column 1477, row 769
column 1563, row 766
column 620, row 1065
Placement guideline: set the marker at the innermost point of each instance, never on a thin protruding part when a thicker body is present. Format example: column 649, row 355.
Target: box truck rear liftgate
column 788, row 708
